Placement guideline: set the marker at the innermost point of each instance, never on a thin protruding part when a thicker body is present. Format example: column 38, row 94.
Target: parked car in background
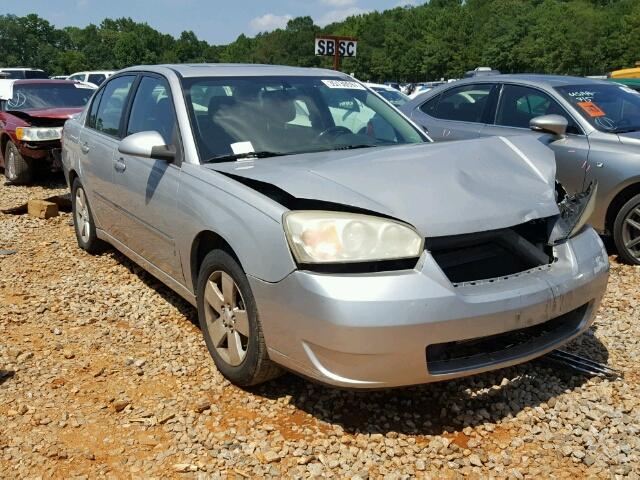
column 601, row 142
column 633, row 72
column 390, row 94
column 22, row 72
column 32, row 113
column 351, row 257
column 481, row 72
column 94, row 77
column 632, row 83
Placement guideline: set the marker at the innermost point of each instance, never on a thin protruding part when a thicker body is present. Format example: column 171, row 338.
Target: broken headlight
column 340, row 237
column 575, row 211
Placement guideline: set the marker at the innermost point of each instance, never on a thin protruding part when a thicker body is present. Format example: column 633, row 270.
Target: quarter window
column 152, row 109
column 463, row 104
column 111, row 108
column 518, row 105
column 91, row 118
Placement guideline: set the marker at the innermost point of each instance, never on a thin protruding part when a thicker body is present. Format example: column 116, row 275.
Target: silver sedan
column 316, row 228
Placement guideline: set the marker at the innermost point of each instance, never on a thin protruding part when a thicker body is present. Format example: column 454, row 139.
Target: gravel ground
column 104, row 373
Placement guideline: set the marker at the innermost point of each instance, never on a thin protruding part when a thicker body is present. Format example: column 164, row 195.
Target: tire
column 626, row 231
column 234, row 339
column 17, row 169
column 83, row 222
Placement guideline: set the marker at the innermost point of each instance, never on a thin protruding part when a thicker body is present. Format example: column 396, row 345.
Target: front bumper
column 373, row 330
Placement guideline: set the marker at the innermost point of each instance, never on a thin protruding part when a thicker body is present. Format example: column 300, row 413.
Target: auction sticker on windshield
column 591, row 109
column 343, row 84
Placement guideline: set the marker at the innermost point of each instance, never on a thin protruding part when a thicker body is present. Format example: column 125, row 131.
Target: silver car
column 317, row 229
column 598, row 140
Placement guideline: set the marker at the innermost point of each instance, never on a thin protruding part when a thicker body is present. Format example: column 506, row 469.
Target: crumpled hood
column 440, row 188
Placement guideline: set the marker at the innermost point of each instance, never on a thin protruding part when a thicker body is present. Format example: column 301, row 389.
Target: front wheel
column 17, row 169
column 626, row 231
column 229, row 322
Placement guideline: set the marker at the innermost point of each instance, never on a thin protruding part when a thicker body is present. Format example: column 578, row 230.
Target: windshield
column 393, row 97
column 39, row 96
column 609, row 108
column 286, row 115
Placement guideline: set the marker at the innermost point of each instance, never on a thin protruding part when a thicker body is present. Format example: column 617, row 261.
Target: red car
column 32, row 113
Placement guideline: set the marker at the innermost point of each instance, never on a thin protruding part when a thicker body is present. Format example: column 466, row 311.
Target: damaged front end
column 501, row 254
column 575, row 211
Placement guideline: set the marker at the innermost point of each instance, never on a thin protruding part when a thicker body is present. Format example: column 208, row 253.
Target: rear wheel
column 83, row 222
column 17, row 169
column 229, row 322
column 626, row 231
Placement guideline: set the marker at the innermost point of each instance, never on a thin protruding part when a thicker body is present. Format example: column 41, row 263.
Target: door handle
column 119, row 166
column 85, row 147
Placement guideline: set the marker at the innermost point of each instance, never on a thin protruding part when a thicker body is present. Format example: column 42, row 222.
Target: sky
column 216, row 21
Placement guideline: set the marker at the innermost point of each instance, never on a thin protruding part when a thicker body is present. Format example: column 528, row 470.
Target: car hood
column 57, row 113
column 630, row 138
column 440, row 188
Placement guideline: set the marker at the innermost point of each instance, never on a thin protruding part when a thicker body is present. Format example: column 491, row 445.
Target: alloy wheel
column 226, row 317
column 82, row 215
column 631, row 232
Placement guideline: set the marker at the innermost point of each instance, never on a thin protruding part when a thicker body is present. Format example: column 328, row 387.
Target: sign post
column 336, row 47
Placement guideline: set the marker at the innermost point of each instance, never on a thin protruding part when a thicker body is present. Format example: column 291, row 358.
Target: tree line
column 438, row 39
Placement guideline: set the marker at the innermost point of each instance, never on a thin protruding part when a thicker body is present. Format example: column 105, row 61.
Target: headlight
column 338, row 237
column 38, row 134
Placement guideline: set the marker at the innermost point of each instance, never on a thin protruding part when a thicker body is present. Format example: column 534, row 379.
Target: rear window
column 48, row 95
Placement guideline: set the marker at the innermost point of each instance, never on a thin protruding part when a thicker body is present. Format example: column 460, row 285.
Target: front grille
column 453, row 357
column 492, row 254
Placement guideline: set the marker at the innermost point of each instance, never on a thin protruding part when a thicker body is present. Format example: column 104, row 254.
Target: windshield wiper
column 237, row 156
column 625, row 129
column 353, row 147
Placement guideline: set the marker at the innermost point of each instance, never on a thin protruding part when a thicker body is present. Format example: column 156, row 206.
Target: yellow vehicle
column 627, row 72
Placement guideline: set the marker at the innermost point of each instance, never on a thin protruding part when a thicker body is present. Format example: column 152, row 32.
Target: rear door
column 98, row 143
column 458, row 113
column 147, row 188
column 517, row 105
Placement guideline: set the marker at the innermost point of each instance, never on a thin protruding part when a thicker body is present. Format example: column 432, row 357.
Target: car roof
column 235, row 69
column 380, row 85
column 19, row 69
column 92, row 71
column 533, row 79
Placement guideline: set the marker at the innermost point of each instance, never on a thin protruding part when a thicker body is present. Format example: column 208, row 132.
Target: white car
column 22, row 73
column 390, row 94
column 95, row 77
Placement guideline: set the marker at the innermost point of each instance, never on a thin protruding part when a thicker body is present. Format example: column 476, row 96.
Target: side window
column 152, row 109
column 96, row 78
column 79, row 77
column 518, row 105
column 463, row 104
column 112, row 104
column 429, row 107
column 93, row 110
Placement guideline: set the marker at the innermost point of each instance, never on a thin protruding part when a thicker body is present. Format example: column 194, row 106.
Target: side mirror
column 147, row 145
column 553, row 124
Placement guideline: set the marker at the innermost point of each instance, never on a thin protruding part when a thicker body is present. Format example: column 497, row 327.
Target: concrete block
column 42, row 209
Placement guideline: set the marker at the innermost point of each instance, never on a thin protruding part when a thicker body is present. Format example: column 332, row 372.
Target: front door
column 517, row 106
column 147, row 188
